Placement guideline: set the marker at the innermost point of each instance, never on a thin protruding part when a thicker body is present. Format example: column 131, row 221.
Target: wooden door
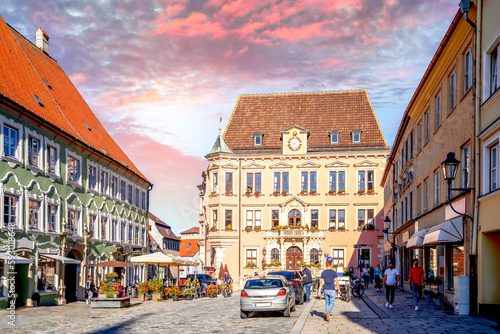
column 293, row 257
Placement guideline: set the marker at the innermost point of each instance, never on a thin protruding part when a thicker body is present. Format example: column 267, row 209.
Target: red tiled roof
column 192, row 230
column 157, row 220
column 166, row 232
column 193, row 249
column 318, row 112
column 23, row 67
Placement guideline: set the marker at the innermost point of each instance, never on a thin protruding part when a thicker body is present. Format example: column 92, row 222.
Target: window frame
column 92, row 186
column 251, row 256
column 426, row 194
column 104, row 178
column 452, row 84
column 15, row 213
column 78, row 159
column 36, row 216
column 37, row 166
column 228, row 183
column 49, row 144
column 467, row 70
column 215, row 182
column 490, row 168
column 228, row 220
column 17, row 158
column 315, row 221
column 465, row 166
column 438, row 105
column 50, row 204
column 76, row 229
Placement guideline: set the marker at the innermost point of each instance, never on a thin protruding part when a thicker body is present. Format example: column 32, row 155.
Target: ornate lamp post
column 264, row 253
column 394, row 247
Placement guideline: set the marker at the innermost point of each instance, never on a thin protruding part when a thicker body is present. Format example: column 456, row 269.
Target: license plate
column 262, row 304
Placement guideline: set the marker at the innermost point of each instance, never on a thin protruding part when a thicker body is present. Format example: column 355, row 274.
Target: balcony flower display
column 229, row 192
column 331, row 192
column 257, row 228
column 284, row 192
column 248, row 228
column 213, row 229
column 361, row 191
column 312, row 192
column 250, row 265
column 229, row 227
column 248, row 192
column 276, row 193
column 302, row 192
column 341, row 191
column 257, row 193
column 371, row 191
column 213, row 193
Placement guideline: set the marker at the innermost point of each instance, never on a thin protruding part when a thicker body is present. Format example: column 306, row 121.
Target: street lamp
column 387, row 233
column 264, row 252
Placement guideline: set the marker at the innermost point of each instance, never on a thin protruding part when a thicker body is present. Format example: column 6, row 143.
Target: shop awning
column 16, row 259
column 450, row 231
column 65, row 260
column 417, row 240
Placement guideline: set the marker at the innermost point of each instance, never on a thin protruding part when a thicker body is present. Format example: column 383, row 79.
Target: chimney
column 42, row 40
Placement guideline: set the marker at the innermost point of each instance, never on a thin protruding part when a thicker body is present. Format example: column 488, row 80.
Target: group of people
column 388, row 279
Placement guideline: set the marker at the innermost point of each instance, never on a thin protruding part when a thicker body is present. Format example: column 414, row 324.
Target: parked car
column 295, row 282
column 205, row 280
column 268, row 293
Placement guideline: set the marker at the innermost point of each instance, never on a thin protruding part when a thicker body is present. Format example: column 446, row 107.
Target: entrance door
column 22, row 284
column 70, row 280
column 293, row 257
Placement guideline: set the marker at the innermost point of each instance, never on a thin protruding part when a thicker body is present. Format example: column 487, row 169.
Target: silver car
column 268, row 293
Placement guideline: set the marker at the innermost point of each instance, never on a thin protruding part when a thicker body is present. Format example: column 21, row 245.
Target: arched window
column 294, row 218
column 275, row 255
column 314, row 256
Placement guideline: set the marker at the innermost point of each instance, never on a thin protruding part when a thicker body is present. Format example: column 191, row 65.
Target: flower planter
column 189, row 297
column 175, row 298
column 142, row 297
column 156, row 296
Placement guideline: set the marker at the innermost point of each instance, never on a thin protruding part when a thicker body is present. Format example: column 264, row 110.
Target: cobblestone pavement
column 219, row 315
column 372, row 316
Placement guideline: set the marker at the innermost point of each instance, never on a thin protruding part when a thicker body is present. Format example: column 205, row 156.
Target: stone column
column 62, row 287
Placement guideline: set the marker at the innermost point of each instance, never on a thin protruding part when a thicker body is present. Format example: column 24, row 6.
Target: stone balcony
column 294, row 233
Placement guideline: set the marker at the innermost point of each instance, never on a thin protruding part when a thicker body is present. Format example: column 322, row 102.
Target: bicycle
column 357, row 289
column 315, row 284
column 226, row 290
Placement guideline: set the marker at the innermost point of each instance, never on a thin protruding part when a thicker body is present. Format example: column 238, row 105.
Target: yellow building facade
column 294, row 179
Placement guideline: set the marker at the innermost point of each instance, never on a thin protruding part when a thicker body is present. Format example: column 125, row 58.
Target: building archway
column 71, row 274
column 293, row 257
column 294, row 217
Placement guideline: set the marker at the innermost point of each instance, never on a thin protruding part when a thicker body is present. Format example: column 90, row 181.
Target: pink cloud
column 293, row 34
column 194, row 25
column 170, row 11
column 78, row 77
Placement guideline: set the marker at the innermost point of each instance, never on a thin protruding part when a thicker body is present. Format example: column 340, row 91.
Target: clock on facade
column 294, row 143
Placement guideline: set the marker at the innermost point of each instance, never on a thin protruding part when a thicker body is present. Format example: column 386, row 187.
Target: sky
column 160, row 74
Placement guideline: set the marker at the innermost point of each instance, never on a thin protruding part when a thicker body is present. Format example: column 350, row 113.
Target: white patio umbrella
column 162, row 259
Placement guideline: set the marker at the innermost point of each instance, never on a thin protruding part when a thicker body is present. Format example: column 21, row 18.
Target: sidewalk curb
column 377, row 310
column 297, row 328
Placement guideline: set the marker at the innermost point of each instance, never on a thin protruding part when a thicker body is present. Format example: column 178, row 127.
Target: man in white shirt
column 391, row 279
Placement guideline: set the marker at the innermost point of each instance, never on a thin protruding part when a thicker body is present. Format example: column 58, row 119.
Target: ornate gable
column 213, row 166
column 281, row 165
column 294, row 202
column 308, row 165
column 229, row 166
column 365, row 163
column 337, row 164
column 253, row 165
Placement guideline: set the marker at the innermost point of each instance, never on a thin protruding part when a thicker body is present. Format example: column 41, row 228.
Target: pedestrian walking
column 329, row 281
column 391, row 279
column 307, row 281
column 377, row 272
column 366, row 275
column 417, row 282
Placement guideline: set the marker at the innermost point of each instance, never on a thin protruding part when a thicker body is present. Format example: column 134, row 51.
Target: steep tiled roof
column 157, row 220
column 166, row 232
column 193, row 249
column 195, row 229
column 318, row 112
column 23, row 69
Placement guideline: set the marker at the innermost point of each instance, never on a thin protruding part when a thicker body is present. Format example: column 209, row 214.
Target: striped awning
column 417, row 240
column 450, row 231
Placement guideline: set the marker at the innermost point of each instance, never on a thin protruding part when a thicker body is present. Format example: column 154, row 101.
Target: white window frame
column 353, row 137
column 104, row 217
column 78, row 211
column 229, row 191
column 123, row 195
column 117, row 178
column 95, row 224
column 487, row 145
column 309, row 189
column 143, row 200
column 52, row 203
column 426, row 194
column 334, row 137
column 437, row 186
column 257, row 254
column 38, row 167
column 19, row 207
column 215, row 218
column 104, row 191
column 92, row 164
column 465, row 166
column 57, row 165
column 215, row 182
column 17, row 159
column 254, row 217
column 365, row 209
column 488, row 50
column 137, row 197
column 40, row 214
column 257, row 140
column 78, row 158
column 438, row 111
column 468, row 70
column 452, row 91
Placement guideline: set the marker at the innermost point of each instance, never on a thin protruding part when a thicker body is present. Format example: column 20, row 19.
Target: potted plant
column 248, row 228
column 361, row 191
column 143, row 288
column 229, row 227
column 213, row 193
column 213, row 229
column 276, row 193
column 175, row 292
column 257, row 228
column 188, row 293
column 284, row 192
column 212, row 290
column 156, row 287
column 370, row 191
column 341, row 191
column 302, row 192
column 257, row 193
column 312, row 192
column 331, row 192
column 167, row 292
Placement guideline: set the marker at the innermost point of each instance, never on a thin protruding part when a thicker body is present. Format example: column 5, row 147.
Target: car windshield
column 287, row 274
column 264, row 283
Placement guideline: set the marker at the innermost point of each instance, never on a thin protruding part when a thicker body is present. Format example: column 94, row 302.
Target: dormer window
column 334, row 136
column 257, row 139
column 356, row 136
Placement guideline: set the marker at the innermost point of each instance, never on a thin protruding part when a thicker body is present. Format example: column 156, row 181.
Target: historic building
column 294, row 178
column 438, row 120
column 190, row 250
column 162, row 239
column 70, row 196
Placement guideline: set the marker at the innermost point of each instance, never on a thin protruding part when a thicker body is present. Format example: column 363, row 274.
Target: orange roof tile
column 318, row 112
column 195, row 229
column 23, row 69
column 193, row 249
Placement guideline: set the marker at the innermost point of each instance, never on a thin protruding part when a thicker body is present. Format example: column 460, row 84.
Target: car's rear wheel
column 243, row 314
column 286, row 312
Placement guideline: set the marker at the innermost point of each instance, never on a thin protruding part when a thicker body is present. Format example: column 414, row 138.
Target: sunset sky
column 160, row 74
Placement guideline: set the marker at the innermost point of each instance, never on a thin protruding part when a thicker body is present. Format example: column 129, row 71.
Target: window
column 52, row 159
column 73, row 220
column 337, row 219
column 366, row 181
column 114, row 186
column 426, row 194
column 427, row 127
column 356, row 136
column 73, row 169
column 104, row 228
column 251, row 257
column 294, row 218
column 453, row 93
column 419, row 200
column 314, row 256
column 494, row 169
column 92, row 226
column 10, row 140
column 254, row 218
column 341, row 219
column 9, row 210
column 281, row 183
column 123, row 232
column 130, row 194
column 493, row 63
column 466, row 166
column 34, row 214
column 334, row 136
column 215, row 183
column 275, row 255
column 308, row 182
column 275, row 218
column 33, row 151
column 104, row 181
column 411, row 206
column 438, row 111
column 92, row 177
column 229, row 183
column 254, row 183
column 361, row 218
column 130, row 235
column 436, row 186
column 338, row 257
column 143, row 200
column 314, row 219
column 46, row 274
column 137, row 195
column 136, row 239
column 123, row 190
column 419, row 141
column 188, row 245
column 51, row 218
column 114, row 230
column 257, row 139
column 467, row 70
column 333, row 182
column 229, row 220
column 333, row 219
column 214, row 218
column 457, row 267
